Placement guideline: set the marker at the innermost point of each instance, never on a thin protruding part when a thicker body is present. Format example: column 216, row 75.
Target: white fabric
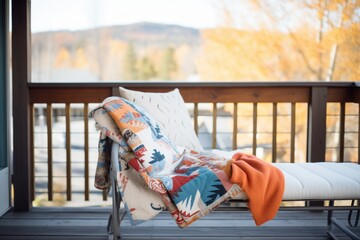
column 327, row 180
column 315, row 181
column 319, row 181
column 170, row 111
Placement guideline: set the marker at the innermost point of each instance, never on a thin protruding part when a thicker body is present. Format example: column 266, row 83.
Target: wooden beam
column 356, row 93
column 68, row 151
column 292, row 132
column 342, row 133
column 49, row 150
column 316, row 141
column 32, row 153
column 235, row 125
column 69, row 95
column 196, row 115
column 255, row 115
column 86, row 151
column 214, row 131
column 21, row 106
column 274, row 133
column 203, row 92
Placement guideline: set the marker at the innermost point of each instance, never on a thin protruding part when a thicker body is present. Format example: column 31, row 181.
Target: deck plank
column 90, row 223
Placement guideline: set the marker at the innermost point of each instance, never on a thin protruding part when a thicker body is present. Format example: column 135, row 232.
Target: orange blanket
column 263, row 183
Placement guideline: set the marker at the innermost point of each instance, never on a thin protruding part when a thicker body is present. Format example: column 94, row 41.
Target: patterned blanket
column 154, row 174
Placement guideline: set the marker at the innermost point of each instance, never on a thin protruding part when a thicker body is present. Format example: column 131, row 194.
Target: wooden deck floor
column 90, row 224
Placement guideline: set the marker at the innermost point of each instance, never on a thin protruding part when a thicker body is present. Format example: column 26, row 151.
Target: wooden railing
column 307, row 121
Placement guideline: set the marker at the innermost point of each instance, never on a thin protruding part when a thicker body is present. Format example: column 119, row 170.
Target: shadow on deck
column 90, row 223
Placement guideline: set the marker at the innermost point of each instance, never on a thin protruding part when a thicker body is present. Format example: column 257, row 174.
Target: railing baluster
column 214, row 125
column 196, row 115
column 292, row 134
column 49, row 150
column 235, row 127
column 32, row 153
column 342, row 132
column 254, row 127
column 86, row 149
column 274, row 133
column 68, row 152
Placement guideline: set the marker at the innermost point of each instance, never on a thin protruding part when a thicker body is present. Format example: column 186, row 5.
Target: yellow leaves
column 66, row 59
column 80, row 60
column 63, row 58
column 301, row 52
column 239, row 55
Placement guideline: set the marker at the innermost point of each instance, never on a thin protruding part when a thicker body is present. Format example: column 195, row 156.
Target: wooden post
column 21, row 106
column 316, row 142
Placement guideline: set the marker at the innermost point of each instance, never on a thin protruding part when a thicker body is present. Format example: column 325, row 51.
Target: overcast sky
column 48, row 15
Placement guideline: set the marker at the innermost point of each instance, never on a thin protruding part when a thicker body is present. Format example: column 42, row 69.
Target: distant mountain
column 106, row 53
column 145, row 33
column 140, row 34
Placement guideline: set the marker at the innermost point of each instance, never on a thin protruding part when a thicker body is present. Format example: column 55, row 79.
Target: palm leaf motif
column 206, row 183
column 215, row 190
column 157, row 157
column 185, row 194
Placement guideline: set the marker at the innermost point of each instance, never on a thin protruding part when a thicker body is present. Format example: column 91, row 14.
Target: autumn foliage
column 298, row 40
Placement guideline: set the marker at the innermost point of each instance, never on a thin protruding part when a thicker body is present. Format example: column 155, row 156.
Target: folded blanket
column 263, row 184
column 190, row 184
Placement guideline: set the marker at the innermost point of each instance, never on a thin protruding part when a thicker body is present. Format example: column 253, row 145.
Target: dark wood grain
column 21, row 104
column 316, row 142
column 90, row 223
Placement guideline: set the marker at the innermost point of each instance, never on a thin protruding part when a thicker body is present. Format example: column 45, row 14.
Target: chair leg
column 332, row 222
column 115, row 212
column 356, row 221
column 330, row 226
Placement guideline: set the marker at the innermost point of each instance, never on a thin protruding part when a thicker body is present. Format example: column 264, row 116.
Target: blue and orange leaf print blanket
column 154, row 173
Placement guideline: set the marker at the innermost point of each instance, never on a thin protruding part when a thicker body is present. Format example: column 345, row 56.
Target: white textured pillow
column 170, row 111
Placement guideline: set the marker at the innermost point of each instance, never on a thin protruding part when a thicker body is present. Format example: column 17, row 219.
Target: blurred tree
column 63, row 58
column 146, row 69
column 129, row 63
column 265, row 40
column 80, row 59
column 114, row 67
column 167, row 65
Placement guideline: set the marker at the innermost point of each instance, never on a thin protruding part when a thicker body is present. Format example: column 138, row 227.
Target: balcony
column 285, row 122
column 55, row 151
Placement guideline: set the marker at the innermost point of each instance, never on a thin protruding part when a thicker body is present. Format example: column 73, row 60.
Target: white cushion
column 315, row 181
column 170, row 111
column 326, row 180
column 319, row 181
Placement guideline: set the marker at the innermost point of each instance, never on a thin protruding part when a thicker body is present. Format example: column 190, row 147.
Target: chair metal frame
column 117, row 214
